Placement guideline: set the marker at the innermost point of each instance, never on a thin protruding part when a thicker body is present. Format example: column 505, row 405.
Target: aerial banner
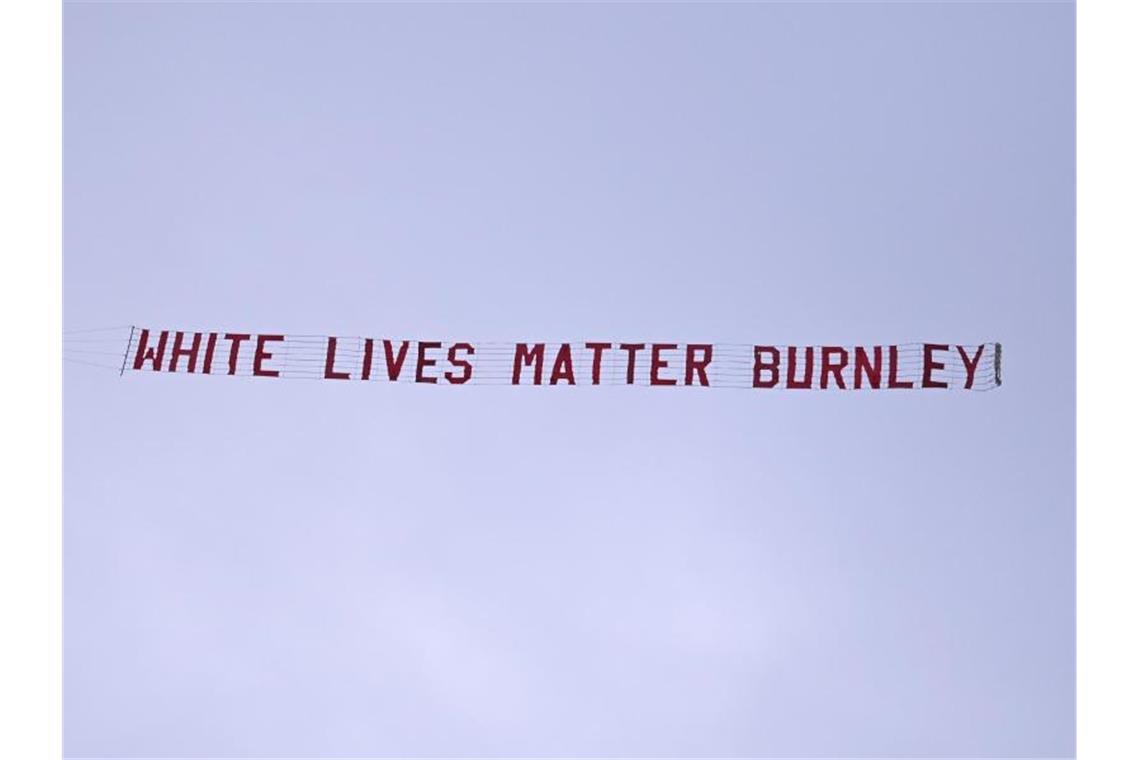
column 760, row 366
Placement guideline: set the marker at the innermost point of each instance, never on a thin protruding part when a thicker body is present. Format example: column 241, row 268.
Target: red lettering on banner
column 366, row 364
column 893, row 375
column 526, row 354
column 971, row 365
column 759, row 365
column 235, row 340
column 261, row 356
column 804, row 384
column 395, row 364
column 827, row 367
column 152, row 355
column 178, row 351
column 864, row 367
column 208, row 362
column 631, row 349
column 792, row 367
column 422, row 362
column 563, row 368
column 656, row 364
column 453, row 358
column 929, row 365
column 693, row 366
column 330, row 362
column 598, row 348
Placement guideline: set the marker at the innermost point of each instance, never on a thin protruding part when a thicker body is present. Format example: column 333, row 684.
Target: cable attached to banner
column 914, row 366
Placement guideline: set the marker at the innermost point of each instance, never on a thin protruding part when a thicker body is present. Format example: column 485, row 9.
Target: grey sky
column 285, row 568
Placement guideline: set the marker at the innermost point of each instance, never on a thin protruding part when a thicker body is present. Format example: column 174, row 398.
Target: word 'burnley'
column 970, row 366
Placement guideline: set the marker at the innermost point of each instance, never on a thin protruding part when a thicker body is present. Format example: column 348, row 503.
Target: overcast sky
column 260, row 567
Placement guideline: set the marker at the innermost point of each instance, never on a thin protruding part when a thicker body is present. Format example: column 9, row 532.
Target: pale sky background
column 261, row 568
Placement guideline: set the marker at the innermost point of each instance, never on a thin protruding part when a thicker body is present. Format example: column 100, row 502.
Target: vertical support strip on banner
column 127, row 351
column 997, row 363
